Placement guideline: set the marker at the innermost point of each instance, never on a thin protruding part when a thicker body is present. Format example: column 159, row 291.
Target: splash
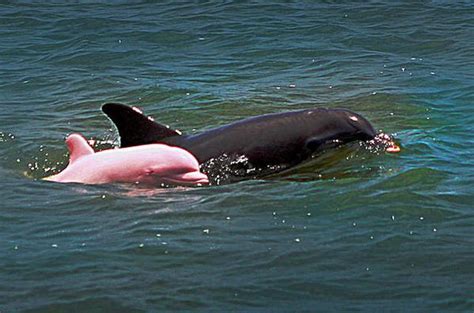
column 382, row 142
column 232, row 168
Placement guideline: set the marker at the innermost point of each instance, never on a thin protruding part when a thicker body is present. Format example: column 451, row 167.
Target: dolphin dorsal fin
column 135, row 128
column 78, row 147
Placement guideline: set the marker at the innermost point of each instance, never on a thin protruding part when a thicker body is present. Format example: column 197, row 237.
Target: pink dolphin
column 149, row 164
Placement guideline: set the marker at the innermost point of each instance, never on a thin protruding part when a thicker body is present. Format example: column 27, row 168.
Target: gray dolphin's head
column 364, row 130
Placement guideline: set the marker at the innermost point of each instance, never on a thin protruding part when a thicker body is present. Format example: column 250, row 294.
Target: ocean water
column 353, row 231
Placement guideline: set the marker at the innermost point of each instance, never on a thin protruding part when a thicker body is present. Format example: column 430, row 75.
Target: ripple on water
column 350, row 230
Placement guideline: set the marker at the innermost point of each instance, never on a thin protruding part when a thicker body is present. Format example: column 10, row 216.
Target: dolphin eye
column 354, row 118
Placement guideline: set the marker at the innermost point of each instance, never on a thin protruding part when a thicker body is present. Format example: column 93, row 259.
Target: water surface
column 354, row 231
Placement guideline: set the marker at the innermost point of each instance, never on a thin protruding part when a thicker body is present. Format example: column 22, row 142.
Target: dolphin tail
column 135, row 128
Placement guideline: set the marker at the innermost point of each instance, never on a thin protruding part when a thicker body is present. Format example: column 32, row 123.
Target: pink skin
column 151, row 164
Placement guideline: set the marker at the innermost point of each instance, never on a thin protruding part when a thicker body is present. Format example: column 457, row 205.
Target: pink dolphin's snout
column 193, row 178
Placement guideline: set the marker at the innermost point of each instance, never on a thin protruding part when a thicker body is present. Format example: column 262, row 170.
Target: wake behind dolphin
column 252, row 147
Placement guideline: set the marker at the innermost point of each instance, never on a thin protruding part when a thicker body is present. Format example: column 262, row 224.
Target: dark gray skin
column 253, row 147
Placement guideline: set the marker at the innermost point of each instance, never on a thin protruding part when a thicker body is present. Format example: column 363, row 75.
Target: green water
column 353, row 231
